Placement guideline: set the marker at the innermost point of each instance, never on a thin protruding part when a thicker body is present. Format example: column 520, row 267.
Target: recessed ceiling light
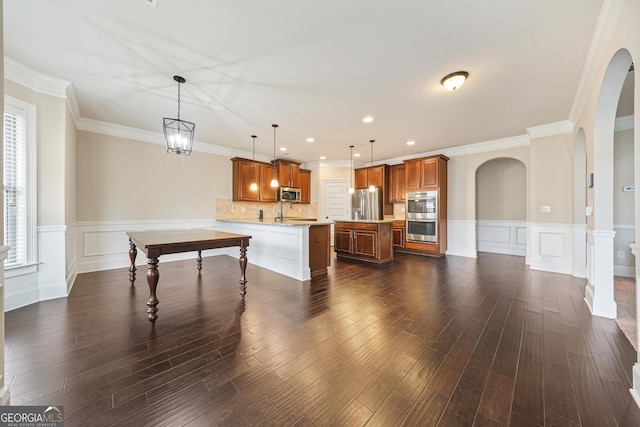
column 356, row 155
column 283, row 148
column 323, row 157
column 368, row 119
column 310, row 140
column 411, row 142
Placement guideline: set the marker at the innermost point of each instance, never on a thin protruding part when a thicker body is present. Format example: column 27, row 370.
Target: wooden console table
column 160, row 242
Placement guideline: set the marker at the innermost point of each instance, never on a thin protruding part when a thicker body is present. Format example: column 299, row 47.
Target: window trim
column 31, row 240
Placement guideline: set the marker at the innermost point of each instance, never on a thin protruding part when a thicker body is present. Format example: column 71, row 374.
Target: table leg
column 152, row 280
column 133, row 252
column 243, row 268
column 199, row 260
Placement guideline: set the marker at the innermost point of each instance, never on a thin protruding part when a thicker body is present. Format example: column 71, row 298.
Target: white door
column 335, row 201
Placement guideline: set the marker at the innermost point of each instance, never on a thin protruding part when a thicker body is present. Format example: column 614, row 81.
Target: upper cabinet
column 396, row 184
column 288, row 173
column 246, row 172
column 373, row 175
column 305, row 186
column 425, row 173
column 378, row 176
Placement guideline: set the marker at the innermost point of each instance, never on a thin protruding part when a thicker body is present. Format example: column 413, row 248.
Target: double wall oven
column 422, row 216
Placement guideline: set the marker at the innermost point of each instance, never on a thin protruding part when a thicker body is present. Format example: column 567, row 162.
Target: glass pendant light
column 351, row 190
column 274, row 181
column 372, row 188
column 254, row 186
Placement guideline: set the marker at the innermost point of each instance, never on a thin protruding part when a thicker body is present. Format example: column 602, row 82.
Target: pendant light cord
column 178, row 101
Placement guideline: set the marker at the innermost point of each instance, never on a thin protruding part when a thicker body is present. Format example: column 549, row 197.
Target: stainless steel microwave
column 290, row 194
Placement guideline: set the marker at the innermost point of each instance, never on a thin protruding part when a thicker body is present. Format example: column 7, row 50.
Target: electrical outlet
column 545, row 208
column 621, row 255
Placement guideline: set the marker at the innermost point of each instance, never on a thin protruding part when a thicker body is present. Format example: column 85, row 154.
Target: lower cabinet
column 398, row 231
column 367, row 241
column 319, row 249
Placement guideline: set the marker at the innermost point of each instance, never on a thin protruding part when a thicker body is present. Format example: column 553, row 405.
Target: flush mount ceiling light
column 454, row 80
column 310, row 140
column 368, row 119
column 274, row 181
column 254, row 185
column 178, row 133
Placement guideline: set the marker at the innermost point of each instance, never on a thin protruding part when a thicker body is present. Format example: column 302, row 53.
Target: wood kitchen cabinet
column 398, row 234
column 305, row 186
column 378, row 176
column 366, row 241
column 288, row 173
column 319, row 249
column 425, row 173
column 374, row 175
column 247, row 171
column 429, row 174
column 396, row 184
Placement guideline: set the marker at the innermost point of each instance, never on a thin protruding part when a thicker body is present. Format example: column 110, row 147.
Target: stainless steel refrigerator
column 367, row 205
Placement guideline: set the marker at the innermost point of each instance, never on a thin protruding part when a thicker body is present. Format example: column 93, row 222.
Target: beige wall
column 51, row 152
column 501, row 190
column 461, row 180
column 551, row 178
column 70, row 169
column 121, row 179
column 623, row 211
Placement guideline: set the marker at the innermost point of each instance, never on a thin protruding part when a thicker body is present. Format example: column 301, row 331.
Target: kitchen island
column 370, row 241
column 296, row 247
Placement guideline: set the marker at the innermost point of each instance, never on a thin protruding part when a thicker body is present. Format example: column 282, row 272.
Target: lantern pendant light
column 178, row 133
column 372, row 188
column 274, row 181
column 254, row 186
column 351, row 190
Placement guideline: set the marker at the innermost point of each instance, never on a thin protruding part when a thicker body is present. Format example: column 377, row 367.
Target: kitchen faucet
column 280, row 217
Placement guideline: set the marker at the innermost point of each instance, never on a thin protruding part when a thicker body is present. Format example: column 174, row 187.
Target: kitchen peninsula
column 296, row 247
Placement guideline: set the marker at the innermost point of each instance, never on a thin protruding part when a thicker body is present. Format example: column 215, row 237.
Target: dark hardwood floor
column 418, row 342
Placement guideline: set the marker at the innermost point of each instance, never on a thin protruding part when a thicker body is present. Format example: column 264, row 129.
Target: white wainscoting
column 104, row 245
column 461, row 238
column 280, row 248
column 551, row 247
column 625, row 236
column 502, row 237
column 48, row 279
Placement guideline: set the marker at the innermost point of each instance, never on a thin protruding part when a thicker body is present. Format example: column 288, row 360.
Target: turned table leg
column 243, row 268
column 133, row 252
column 199, row 260
column 152, row 280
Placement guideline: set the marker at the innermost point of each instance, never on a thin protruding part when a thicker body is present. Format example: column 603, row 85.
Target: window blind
column 15, row 187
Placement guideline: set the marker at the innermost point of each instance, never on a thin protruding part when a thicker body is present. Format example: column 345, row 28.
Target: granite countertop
column 288, row 222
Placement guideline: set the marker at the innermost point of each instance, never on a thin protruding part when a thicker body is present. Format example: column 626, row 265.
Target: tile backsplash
column 228, row 209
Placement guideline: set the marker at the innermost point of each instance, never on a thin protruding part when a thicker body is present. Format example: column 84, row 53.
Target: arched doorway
column 501, row 207
column 599, row 292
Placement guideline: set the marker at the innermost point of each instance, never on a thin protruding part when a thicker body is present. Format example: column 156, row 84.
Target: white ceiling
column 316, row 68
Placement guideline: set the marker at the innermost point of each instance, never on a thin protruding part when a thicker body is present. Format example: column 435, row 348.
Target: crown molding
column 41, row 83
column 550, row 129
column 624, row 123
column 126, row 132
column 605, row 27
